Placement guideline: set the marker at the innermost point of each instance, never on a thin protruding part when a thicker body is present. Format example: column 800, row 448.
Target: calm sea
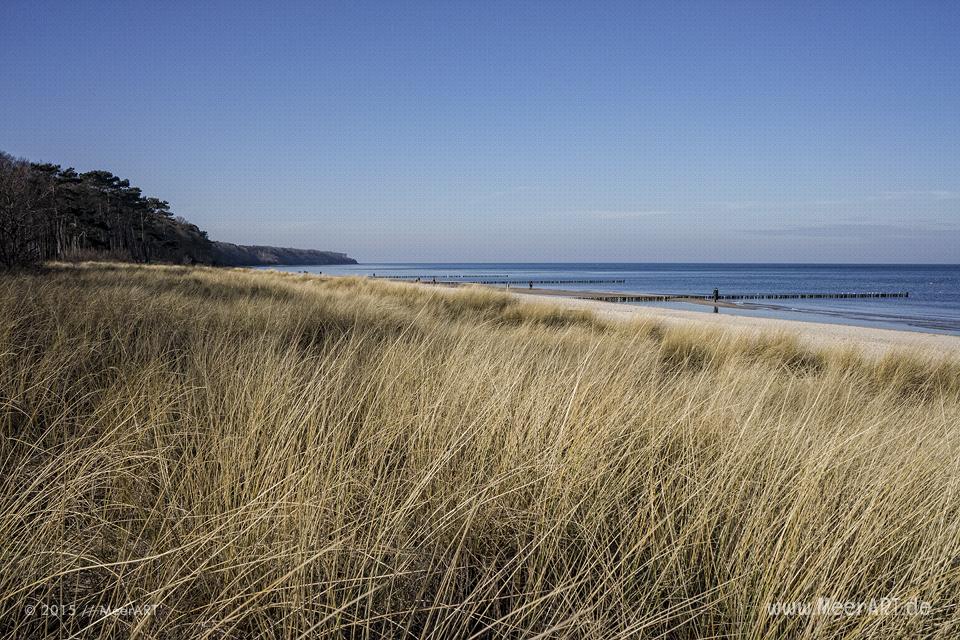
column 933, row 305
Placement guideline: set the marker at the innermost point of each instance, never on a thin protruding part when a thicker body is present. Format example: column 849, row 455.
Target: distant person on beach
column 531, row 284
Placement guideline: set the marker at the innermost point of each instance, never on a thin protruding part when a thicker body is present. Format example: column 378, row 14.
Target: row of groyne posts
column 647, row 297
column 474, row 280
column 717, row 297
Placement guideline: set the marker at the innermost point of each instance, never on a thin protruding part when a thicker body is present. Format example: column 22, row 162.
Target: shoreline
column 869, row 340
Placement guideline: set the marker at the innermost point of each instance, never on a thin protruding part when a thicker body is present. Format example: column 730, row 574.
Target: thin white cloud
column 861, row 229
column 885, row 196
column 934, row 194
column 626, row 215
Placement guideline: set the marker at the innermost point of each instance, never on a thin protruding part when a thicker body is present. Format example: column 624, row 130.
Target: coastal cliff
column 236, row 255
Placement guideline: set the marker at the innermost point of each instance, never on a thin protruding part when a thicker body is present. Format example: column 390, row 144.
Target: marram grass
column 198, row 453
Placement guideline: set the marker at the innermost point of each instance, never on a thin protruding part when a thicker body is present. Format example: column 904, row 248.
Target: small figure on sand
column 531, row 284
column 716, row 294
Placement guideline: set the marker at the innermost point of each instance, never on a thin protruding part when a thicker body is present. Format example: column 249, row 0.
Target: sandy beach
column 870, row 341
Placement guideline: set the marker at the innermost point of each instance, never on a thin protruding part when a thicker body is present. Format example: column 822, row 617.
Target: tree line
column 52, row 213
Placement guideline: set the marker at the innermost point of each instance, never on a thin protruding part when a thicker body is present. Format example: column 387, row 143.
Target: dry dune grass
column 251, row 454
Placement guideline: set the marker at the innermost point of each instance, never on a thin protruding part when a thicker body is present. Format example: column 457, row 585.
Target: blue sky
column 486, row 131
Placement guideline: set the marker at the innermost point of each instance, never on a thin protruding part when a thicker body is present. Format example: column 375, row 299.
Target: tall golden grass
column 199, row 453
